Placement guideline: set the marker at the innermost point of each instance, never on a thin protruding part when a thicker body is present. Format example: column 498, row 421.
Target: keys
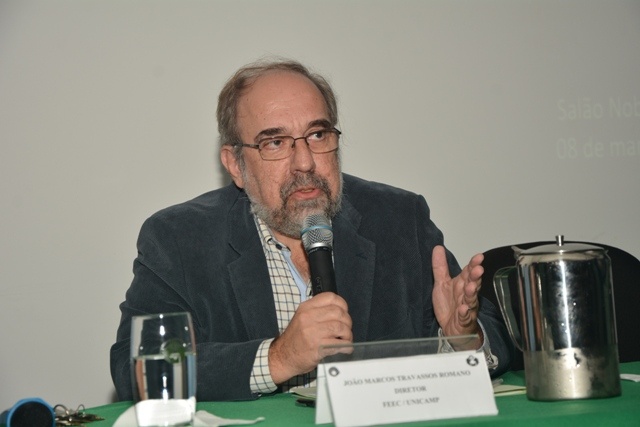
column 68, row 417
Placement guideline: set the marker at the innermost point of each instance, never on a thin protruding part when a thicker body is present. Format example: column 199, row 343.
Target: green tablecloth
column 281, row 410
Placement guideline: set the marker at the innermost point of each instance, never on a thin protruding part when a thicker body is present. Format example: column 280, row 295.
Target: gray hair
column 243, row 79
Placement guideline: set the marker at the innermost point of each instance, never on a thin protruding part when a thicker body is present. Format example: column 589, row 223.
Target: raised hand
column 455, row 300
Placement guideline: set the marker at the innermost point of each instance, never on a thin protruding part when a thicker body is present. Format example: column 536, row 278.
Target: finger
column 321, row 322
column 465, row 316
column 471, row 291
column 439, row 264
column 328, row 299
column 472, row 303
column 472, row 287
column 342, row 332
column 473, row 270
column 336, row 327
column 332, row 333
column 476, row 272
column 476, row 259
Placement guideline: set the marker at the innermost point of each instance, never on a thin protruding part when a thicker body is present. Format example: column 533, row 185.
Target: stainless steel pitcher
column 567, row 329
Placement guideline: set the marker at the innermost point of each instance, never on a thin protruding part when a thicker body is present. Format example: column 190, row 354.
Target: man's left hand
column 455, row 300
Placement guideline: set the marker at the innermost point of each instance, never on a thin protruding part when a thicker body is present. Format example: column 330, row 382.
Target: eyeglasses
column 280, row 147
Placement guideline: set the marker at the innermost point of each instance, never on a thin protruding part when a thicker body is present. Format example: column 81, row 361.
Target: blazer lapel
column 249, row 274
column 354, row 260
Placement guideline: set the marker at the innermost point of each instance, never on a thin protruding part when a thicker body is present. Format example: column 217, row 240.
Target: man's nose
column 302, row 157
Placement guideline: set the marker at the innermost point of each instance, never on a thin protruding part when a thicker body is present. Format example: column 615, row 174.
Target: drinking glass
column 163, row 369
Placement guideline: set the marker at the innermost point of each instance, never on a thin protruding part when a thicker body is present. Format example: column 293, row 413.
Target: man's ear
column 230, row 163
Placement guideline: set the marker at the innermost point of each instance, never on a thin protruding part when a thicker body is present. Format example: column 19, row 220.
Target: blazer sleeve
column 160, row 285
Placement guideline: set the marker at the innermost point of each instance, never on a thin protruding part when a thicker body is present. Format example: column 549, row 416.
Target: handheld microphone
column 317, row 239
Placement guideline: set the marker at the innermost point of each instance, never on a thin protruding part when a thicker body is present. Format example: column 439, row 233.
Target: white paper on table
column 202, row 419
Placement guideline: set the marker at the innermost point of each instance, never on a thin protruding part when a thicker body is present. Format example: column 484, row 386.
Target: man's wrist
column 457, row 345
column 485, row 346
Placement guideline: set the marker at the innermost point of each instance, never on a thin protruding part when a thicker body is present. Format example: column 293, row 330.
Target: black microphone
column 317, row 239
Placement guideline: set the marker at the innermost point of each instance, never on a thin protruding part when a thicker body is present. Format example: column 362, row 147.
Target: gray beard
column 288, row 217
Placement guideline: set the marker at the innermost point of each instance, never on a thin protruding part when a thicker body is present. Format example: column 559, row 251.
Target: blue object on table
column 30, row 412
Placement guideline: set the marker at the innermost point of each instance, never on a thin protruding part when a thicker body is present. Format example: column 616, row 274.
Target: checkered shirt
column 286, row 295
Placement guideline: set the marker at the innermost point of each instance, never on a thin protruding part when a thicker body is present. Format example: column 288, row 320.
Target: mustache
column 302, row 181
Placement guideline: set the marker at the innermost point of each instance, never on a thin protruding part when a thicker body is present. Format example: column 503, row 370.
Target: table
column 281, row 410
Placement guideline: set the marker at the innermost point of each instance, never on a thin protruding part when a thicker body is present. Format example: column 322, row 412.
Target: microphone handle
column 323, row 277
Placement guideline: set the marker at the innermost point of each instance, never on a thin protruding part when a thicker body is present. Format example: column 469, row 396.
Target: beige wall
column 505, row 114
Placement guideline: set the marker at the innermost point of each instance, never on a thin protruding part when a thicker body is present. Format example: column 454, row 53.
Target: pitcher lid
column 561, row 247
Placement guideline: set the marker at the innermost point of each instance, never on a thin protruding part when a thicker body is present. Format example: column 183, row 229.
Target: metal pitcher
column 567, row 319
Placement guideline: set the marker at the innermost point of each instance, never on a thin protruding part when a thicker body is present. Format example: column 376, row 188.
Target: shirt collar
column 266, row 237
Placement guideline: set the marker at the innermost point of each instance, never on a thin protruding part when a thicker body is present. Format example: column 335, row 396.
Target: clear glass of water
column 163, row 369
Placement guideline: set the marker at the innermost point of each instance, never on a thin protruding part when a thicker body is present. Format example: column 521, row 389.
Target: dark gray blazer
column 204, row 256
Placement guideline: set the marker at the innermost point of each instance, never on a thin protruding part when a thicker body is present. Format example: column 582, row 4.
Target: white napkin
column 201, row 419
column 630, row 377
column 207, row 419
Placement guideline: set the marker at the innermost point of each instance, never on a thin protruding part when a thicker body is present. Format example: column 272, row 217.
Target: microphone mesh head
column 316, row 231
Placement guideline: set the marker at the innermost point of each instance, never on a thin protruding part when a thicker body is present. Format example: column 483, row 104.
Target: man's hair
column 237, row 85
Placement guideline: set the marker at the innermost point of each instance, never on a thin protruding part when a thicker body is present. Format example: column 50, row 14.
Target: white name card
column 404, row 389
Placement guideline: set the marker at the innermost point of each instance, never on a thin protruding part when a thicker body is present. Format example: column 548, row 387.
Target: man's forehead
column 282, row 95
column 278, row 83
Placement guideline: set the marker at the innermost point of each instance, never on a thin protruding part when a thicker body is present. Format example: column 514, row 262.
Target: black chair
column 625, row 271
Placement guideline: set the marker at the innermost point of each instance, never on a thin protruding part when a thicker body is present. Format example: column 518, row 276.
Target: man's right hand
column 321, row 320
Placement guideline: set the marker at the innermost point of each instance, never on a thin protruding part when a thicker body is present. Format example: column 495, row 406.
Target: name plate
column 404, row 389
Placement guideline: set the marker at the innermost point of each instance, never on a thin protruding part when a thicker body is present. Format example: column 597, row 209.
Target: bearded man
column 234, row 258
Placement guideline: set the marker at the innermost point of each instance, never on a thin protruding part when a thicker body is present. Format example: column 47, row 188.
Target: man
column 234, row 259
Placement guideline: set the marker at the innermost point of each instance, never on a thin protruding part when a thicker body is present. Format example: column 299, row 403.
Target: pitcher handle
column 501, row 286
